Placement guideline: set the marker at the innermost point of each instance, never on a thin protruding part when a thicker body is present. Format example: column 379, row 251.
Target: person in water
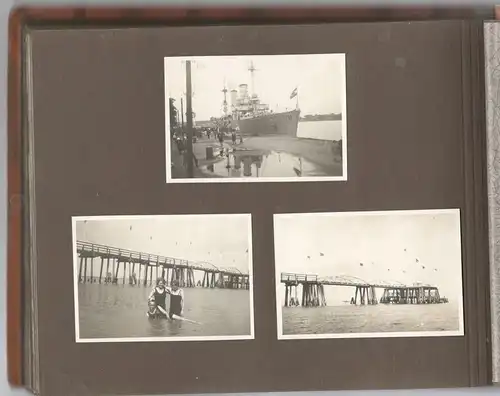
column 158, row 296
column 176, row 300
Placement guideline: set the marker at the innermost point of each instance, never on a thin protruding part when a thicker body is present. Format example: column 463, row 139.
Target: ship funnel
column 234, row 97
column 243, row 91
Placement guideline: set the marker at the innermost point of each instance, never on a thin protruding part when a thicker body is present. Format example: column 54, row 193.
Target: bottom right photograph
column 369, row 274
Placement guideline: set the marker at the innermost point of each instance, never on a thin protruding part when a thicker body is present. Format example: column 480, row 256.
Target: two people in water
column 157, row 300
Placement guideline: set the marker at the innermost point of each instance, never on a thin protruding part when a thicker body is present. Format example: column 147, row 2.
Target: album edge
column 16, row 200
column 477, row 268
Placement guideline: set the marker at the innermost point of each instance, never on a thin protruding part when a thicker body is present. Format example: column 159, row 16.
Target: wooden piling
column 145, row 281
column 107, row 266
column 85, row 271
column 80, row 271
column 157, row 267
column 100, row 272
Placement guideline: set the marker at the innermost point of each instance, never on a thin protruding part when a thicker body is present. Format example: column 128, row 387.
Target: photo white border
column 168, row 161
column 78, row 339
column 279, row 314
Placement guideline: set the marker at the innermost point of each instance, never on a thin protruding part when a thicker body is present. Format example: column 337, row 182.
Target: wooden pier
column 313, row 294
column 139, row 268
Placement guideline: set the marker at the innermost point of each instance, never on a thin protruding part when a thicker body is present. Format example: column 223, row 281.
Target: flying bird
column 246, row 251
column 423, row 267
column 360, row 264
column 130, row 228
column 321, row 254
column 405, row 249
column 416, row 260
column 308, row 257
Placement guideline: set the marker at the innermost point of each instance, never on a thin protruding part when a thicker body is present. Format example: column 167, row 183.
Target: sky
column 220, row 240
column 320, row 80
column 404, row 248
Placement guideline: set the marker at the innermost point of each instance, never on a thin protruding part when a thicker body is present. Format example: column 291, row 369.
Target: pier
column 138, row 269
column 313, row 294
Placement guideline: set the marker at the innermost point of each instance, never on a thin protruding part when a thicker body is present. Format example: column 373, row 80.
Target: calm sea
column 119, row 311
column 325, row 130
column 370, row 319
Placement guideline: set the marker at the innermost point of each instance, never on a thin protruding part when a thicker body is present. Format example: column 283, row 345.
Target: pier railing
column 287, row 277
column 298, row 278
column 88, row 249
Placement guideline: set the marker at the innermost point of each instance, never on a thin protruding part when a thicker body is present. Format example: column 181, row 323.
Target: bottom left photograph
column 163, row 278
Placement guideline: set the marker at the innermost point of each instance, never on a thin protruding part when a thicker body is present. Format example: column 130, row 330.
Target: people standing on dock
column 180, row 144
column 233, row 137
column 220, row 136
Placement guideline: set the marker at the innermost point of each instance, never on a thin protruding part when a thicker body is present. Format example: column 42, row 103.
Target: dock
column 167, row 268
column 313, row 291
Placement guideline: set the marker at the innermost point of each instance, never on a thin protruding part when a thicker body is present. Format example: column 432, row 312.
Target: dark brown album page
column 103, row 154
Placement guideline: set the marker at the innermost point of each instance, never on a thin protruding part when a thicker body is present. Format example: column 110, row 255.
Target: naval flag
column 293, row 94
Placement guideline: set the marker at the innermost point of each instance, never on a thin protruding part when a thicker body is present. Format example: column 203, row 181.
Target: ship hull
column 285, row 123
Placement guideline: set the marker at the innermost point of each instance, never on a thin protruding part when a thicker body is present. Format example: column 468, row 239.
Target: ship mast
column 224, row 103
column 252, row 69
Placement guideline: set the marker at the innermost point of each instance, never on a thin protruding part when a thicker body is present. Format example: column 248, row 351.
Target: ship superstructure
column 253, row 117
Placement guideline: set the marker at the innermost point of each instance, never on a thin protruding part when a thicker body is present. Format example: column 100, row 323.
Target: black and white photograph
column 263, row 118
column 163, row 278
column 369, row 274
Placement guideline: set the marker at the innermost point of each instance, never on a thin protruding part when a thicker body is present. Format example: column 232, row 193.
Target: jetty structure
column 138, row 269
column 254, row 118
column 313, row 291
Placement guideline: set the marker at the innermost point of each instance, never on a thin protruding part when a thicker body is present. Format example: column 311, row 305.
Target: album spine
column 475, row 217
column 492, row 87
column 15, row 205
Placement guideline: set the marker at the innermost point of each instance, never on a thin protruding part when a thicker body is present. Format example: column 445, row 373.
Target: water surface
column 324, row 130
column 119, row 311
column 260, row 163
column 370, row 319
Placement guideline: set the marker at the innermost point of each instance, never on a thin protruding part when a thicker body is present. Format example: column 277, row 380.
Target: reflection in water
column 259, row 163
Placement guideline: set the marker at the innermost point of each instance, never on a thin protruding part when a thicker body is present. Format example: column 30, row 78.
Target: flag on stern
column 293, row 94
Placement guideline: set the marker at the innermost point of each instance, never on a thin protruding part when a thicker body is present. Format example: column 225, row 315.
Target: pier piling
column 313, row 293
column 169, row 268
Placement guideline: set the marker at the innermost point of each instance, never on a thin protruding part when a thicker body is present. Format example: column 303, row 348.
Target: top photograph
column 263, row 118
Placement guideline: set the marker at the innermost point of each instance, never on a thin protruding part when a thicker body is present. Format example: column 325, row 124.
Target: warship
column 253, row 118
